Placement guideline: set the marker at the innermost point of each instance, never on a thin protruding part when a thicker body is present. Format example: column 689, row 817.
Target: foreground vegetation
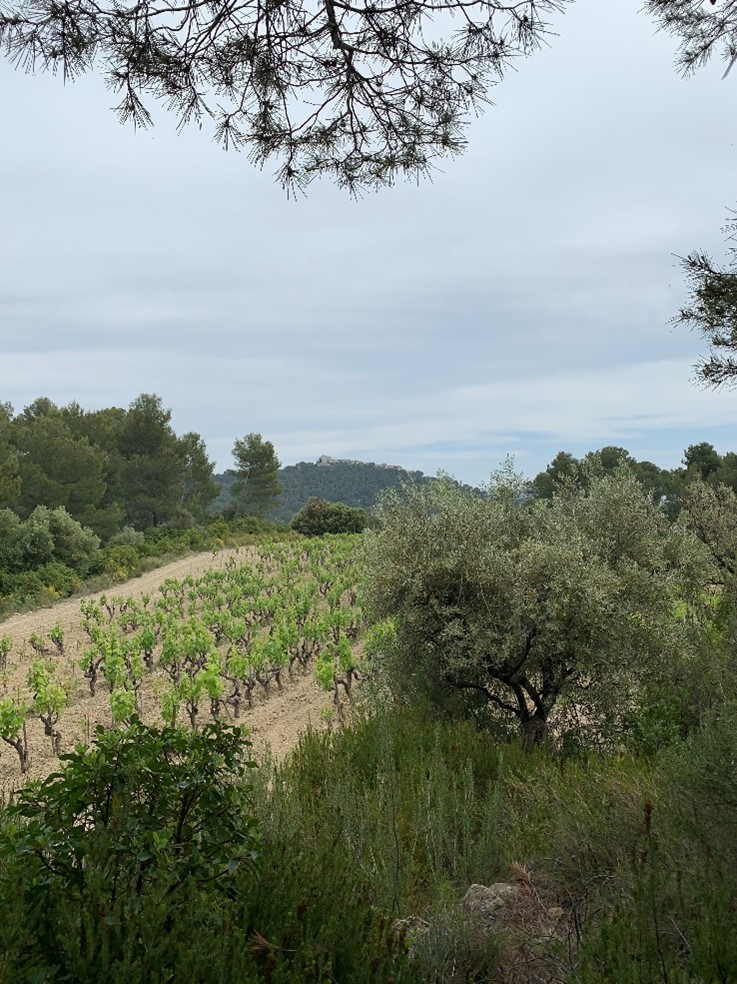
column 302, row 872
column 451, row 832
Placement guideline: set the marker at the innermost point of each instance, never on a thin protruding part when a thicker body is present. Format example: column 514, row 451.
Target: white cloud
column 517, row 303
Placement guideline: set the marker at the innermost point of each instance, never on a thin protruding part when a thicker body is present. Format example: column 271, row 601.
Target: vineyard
column 418, row 844
column 211, row 646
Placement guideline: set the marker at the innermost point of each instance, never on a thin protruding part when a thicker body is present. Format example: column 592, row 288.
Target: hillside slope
column 355, row 483
column 276, row 722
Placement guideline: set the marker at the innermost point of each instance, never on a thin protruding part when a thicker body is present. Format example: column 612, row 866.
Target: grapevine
column 206, row 648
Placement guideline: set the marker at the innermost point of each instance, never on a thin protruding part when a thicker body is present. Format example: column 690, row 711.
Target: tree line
column 666, row 486
column 113, row 468
column 73, row 481
column 84, row 493
column 107, row 468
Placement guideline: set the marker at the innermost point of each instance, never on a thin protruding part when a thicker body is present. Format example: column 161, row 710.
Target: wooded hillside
column 355, row 483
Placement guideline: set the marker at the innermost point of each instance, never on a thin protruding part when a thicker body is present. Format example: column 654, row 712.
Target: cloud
column 519, row 302
column 531, row 418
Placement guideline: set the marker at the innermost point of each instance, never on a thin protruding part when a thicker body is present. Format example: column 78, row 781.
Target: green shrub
column 121, row 561
column 26, row 586
column 675, row 926
column 219, row 529
column 126, row 865
column 364, row 825
column 198, row 539
column 699, row 783
column 59, row 578
column 246, row 525
column 127, row 537
column 672, row 918
column 52, row 534
column 656, row 724
column 415, row 803
column 161, row 535
column 36, row 541
column 318, row 517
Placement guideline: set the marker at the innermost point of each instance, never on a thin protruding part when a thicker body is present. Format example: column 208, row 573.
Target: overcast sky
column 518, row 304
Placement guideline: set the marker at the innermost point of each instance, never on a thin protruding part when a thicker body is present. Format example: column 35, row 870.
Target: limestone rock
column 485, row 901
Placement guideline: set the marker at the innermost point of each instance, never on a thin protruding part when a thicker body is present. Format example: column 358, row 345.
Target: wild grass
column 370, row 837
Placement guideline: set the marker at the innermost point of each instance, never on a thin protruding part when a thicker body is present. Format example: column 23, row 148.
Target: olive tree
column 540, row 612
column 52, row 535
column 711, row 512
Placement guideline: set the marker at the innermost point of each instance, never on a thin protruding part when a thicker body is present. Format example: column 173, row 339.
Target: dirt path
column 277, row 722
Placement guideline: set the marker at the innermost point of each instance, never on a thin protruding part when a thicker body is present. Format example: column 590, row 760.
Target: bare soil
column 275, row 723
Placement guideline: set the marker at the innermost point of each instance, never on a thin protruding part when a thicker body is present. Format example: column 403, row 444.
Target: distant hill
column 356, row 483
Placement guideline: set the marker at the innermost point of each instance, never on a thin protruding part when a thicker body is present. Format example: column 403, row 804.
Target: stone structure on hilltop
column 325, row 459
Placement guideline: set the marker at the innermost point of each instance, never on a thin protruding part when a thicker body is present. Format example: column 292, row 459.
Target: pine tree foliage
column 255, row 491
column 702, row 30
column 362, row 92
column 711, row 310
